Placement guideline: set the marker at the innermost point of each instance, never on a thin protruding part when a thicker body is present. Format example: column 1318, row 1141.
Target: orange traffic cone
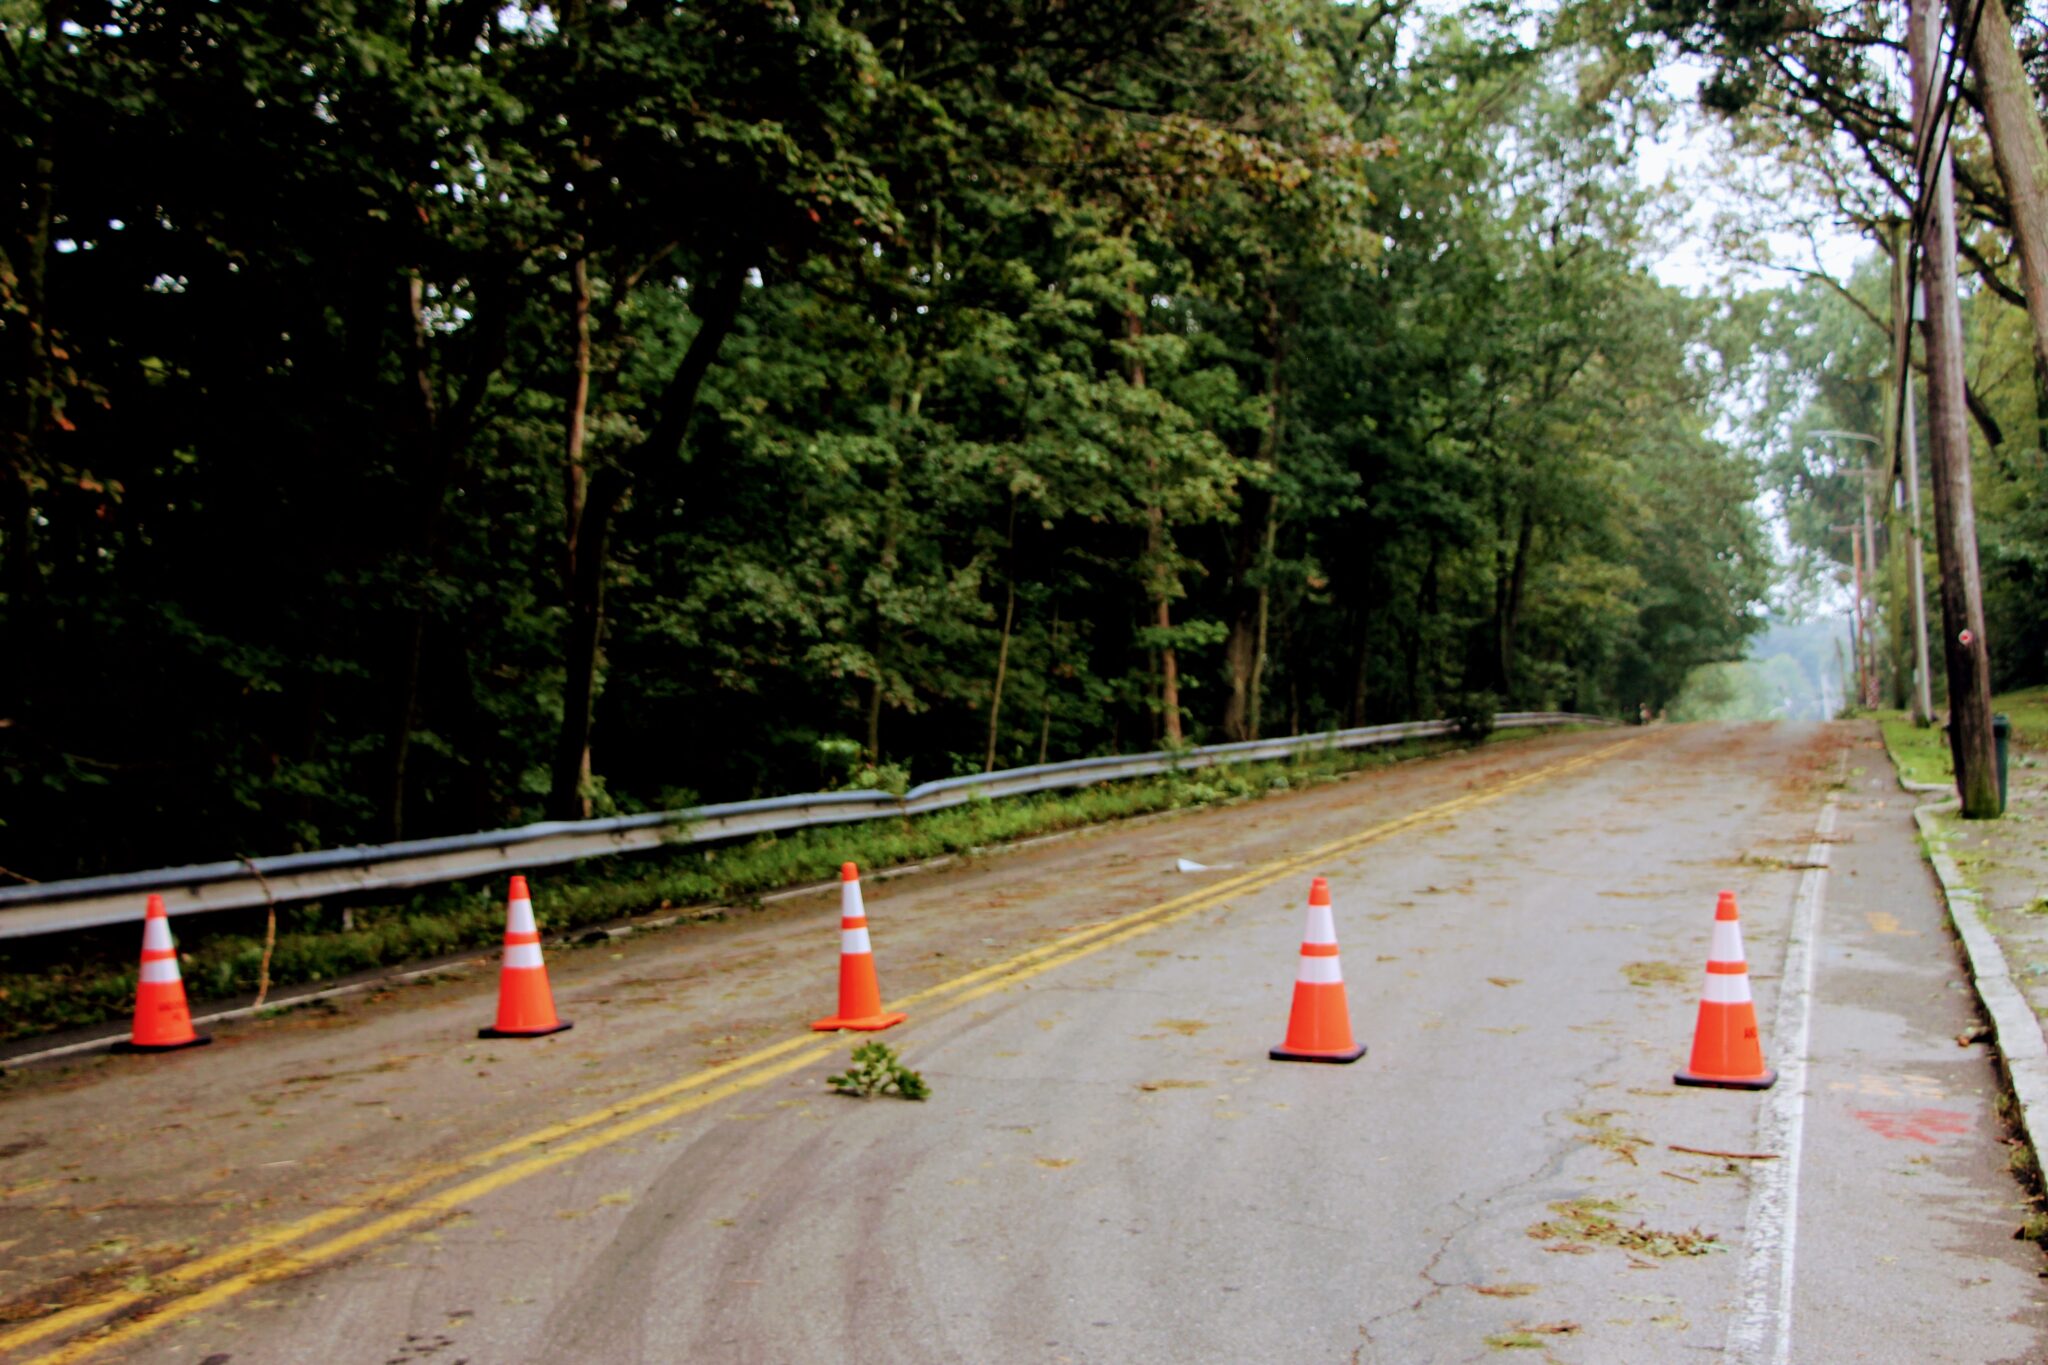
column 860, row 996
column 1725, row 1050
column 1319, row 1029
column 163, row 1023
column 526, row 1007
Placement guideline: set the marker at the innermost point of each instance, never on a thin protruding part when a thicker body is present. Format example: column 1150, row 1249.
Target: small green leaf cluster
column 876, row 1070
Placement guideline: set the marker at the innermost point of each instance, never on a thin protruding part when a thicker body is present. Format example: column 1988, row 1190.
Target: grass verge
column 1919, row 752
column 1922, row 753
column 75, row 981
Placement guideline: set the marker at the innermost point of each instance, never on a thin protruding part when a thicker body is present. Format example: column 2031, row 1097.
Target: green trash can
column 2001, row 736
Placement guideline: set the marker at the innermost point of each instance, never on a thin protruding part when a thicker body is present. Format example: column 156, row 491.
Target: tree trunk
column 2021, row 153
column 1425, row 610
column 877, row 631
column 583, row 595
column 872, row 730
column 1265, row 612
column 606, row 493
column 995, row 698
column 995, row 702
column 1169, row 665
column 1902, row 442
column 1240, row 646
column 1276, row 342
column 1361, row 658
column 569, row 797
column 1955, row 518
column 1051, row 672
column 432, row 458
column 1511, row 607
column 577, row 413
column 1244, row 649
column 1169, row 680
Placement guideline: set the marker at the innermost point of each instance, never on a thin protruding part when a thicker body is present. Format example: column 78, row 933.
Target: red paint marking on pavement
column 1914, row 1125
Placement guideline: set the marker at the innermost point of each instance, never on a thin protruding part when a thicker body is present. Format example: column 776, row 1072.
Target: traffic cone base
column 1319, row 1025
column 559, row 1027
column 526, row 1007
column 874, row 1023
column 860, row 994
column 1726, row 1053
column 1281, row 1054
column 1763, row 1082
column 129, row 1045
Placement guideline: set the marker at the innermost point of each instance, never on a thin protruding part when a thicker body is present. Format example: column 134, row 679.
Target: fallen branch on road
column 1731, row 1156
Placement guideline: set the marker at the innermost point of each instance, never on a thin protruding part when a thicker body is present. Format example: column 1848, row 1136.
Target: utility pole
column 1955, row 516
column 1859, row 626
column 1903, row 450
column 1873, row 681
column 1867, row 659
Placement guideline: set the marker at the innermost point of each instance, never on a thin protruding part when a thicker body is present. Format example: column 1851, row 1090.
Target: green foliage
column 1303, row 349
column 876, row 1070
column 1474, row 713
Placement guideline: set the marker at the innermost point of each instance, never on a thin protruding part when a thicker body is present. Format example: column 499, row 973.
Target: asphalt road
column 1110, row 1169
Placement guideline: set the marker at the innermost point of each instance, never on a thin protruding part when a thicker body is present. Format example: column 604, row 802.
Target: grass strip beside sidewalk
column 1922, row 755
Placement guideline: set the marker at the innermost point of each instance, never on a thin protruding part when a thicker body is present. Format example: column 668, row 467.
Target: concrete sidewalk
column 1907, row 1206
column 1995, row 876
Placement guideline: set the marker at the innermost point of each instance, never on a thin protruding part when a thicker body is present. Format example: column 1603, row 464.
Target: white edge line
column 1762, row 1329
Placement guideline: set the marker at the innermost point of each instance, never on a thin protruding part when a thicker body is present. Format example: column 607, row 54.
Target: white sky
column 1684, row 154
column 1683, row 160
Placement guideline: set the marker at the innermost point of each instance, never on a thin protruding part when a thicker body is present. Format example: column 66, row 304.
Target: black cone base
column 1281, row 1054
column 1763, row 1082
column 523, row 1033
column 126, row 1045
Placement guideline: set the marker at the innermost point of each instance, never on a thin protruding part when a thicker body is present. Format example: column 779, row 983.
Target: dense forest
column 431, row 416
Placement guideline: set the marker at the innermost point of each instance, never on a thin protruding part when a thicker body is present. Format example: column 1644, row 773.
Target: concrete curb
column 2015, row 1028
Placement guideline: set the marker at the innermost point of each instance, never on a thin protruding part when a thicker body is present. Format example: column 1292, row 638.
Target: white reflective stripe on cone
column 1322, row 926
column 849, row 901
column 1320, row 971
column 519, row 917
column 1727, row 990
column 161, row 971
column 854, row 941
column 1727, row 942
column 522, row 955
column 156, row 934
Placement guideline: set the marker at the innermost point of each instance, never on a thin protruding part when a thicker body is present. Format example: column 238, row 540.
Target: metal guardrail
column 92, row 902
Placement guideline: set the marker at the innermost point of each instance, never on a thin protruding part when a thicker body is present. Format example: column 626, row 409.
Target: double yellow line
column 267, row 1255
